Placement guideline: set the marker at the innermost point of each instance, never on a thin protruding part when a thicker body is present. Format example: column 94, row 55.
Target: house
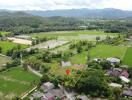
column 57, row 93
column 113, row 72
column 37, row 94
column 115, row 85
column 53, row 94
column 124, row 79
column 66, row 64
column 125, row 73
column 48, row 96
column 113, row 60
column 47, row 86
column 127, row 93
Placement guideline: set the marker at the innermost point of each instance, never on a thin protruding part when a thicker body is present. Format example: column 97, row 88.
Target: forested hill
column 20, row 22
column 23, row 23
column 6, row 13
column 89, row 13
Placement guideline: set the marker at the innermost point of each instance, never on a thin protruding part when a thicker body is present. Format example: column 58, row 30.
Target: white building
column 113, row 60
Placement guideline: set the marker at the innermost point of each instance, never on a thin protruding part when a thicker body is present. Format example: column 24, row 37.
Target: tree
column 45, row 78
column 45, row 67
column 98, row 38
column 130, row 71
column 94, row 82
column 91, row 81
column 105, row 64
column 88, row 58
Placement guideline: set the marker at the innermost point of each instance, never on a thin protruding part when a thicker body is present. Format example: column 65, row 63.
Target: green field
column 6, row 45
column 79, row 58
column 104, row 51
column 74, row 35
column 128, row 57
column 15, row 82
column 3, row 60
column 100, row 51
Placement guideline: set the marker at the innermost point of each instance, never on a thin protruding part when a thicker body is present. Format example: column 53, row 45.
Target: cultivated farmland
column 20, row 41
column 75, row 35
column 7, row 45
column 50, row 44
column 100, row 51
column 15, row 82
column 128, row 57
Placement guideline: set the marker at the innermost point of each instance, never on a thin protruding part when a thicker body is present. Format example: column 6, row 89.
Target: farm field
column 74, row 35
column 104, row 51
column 6, row 45
column 100, row 51
column 15, row 82
column 20, row 41
column 3, row 60
column 50, row 44
column 5, row 33
column 128, row 57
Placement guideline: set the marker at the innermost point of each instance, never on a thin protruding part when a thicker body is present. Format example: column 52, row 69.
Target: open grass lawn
column 16, row 81
column 100, row 51
column 6, row 45
column 128, row 57
column 74, row 35
column 3, row 60
column 104, row 51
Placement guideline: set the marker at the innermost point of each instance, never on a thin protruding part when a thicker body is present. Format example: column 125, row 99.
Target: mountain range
column 88, row 13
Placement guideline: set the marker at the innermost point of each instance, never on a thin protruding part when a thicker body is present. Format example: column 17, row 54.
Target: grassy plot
column 100, row 51
column 3, row 60
column 128, row 57
column 104, row 51
column 16, row 81
column 79, row 58
column 7, row 45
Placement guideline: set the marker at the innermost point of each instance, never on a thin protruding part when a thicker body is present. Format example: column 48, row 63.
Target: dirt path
column 35, row 72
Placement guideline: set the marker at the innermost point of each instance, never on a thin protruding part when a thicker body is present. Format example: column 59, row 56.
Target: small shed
column 124, row 79
column 115, row 85
column 65, row 64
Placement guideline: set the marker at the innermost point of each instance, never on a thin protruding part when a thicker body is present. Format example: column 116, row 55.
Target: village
column 46, row 59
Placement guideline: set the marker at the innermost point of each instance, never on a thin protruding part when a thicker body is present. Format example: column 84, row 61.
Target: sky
column 64, row 4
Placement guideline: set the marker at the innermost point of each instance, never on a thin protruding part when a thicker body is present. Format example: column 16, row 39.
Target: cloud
column 64, row 4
